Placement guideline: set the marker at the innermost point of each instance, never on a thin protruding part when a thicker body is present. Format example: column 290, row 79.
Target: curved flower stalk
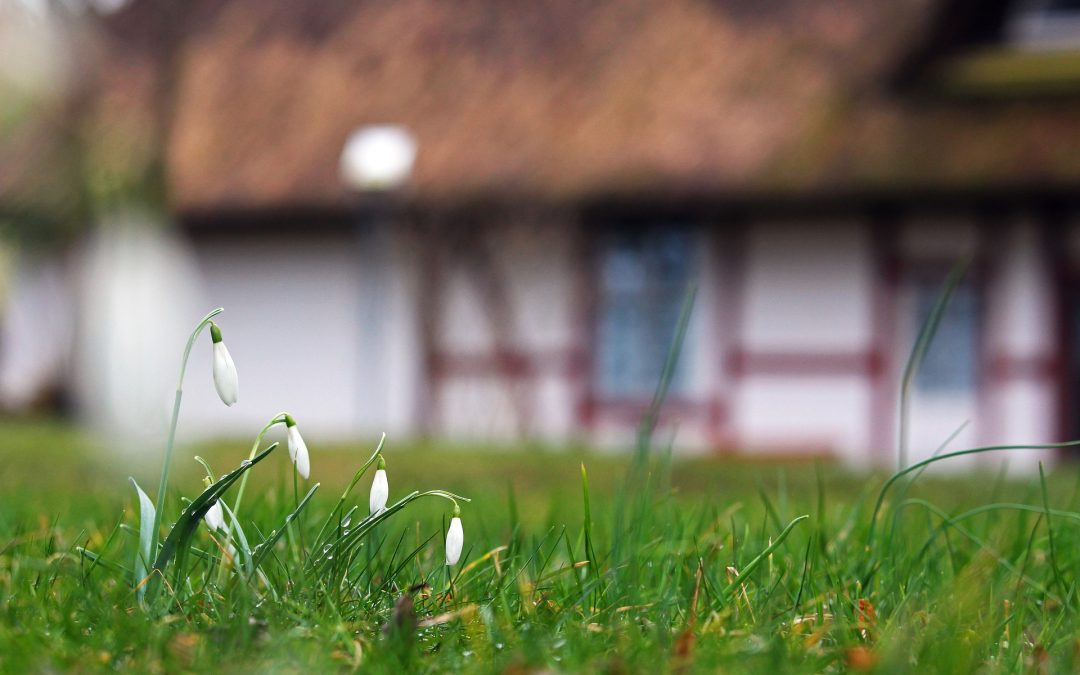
column 225, row 379
column 380, row 489
column 340, row 549
column 455, row 537
column 275, row 420
column 297, row 448
column 206, row 321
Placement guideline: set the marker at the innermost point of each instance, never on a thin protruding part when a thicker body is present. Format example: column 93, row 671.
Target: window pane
column 950, row 365
column 1045, row 25
column 643, row 277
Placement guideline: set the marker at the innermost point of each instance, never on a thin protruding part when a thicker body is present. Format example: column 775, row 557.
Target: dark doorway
column 1070, row 403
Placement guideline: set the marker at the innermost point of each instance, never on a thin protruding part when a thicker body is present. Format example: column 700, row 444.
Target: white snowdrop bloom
column 225, row 379
column 215, row 519
column 380, row 489
column 298, row 452
column 455, row 539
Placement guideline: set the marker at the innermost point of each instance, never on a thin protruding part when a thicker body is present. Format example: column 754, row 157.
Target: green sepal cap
column 382, row 463
column 215, row 332
column 456, row 513
column 289, row 421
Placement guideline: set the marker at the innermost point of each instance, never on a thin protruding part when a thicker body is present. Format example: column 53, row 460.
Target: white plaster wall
column 807, row 414
column 38, row 328
column 934, row 419
column 325, row 326
column 1023, row 327
column 1024, row 409
column 136, row 291
column 464, row 326
column 477, row 409
column 537, row 265
column 389, row 367
column 1021, row 319
column 536, row 262
column 555, row 397
column 807, row 289
column 808, row 286
column 486, row 408
column 540, row 259
column 292, row 323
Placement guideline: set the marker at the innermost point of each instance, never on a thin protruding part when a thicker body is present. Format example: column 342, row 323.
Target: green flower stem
column 234, row 522
column 163, row 484
column 296, row 502
column 274, row 421
column 345, row 495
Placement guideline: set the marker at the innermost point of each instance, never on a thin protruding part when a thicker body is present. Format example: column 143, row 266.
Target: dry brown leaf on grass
column 683, row 654
column 866, row 619
column 861, row 658
column 447, row 617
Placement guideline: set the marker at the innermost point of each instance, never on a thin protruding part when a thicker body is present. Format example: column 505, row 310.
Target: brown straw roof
column 564, row 99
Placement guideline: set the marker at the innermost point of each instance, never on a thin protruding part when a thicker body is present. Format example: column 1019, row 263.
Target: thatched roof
column 564, row 99
column 556, row 99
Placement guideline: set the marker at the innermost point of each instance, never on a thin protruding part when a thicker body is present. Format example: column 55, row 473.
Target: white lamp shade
column 378, row 157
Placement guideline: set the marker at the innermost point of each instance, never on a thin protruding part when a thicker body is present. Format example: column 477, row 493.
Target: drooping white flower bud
column 225, row 379
column 297, row 448
column 380, row 489
column 455, row 538
column 215, row 519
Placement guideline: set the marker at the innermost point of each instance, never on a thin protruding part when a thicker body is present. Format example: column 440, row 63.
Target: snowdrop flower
column 215, row 519
column 380, row 490
column 455, row 538
column 297, row 448
column 225, row 380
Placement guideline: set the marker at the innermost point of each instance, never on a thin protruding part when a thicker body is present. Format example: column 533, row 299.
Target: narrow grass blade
column 761, row 557
column 262, row 549
column 950, row 455
column 147, row 518
column 918, row 354
column 590, row 551
column 345, row 495
column 176, row 544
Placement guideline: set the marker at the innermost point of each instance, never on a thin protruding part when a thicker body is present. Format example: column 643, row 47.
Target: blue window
column 1045, row 25
column 951, row 364
column 643, row 278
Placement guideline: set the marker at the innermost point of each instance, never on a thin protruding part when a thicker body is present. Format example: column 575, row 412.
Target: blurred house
column 815, row 167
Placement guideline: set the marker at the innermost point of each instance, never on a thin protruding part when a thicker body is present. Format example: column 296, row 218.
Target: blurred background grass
column 53, row 471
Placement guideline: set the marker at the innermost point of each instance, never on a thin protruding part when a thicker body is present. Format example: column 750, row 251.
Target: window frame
column 931, row 274
column 641, row 392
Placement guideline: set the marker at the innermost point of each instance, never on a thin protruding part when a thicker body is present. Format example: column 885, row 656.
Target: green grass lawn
column 679, row 566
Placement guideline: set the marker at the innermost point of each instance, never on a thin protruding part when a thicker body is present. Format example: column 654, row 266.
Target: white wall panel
column 811, row 414
column 292, row 325
column 807, row 287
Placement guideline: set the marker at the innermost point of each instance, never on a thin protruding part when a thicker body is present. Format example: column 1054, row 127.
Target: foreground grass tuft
column 571, row 562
